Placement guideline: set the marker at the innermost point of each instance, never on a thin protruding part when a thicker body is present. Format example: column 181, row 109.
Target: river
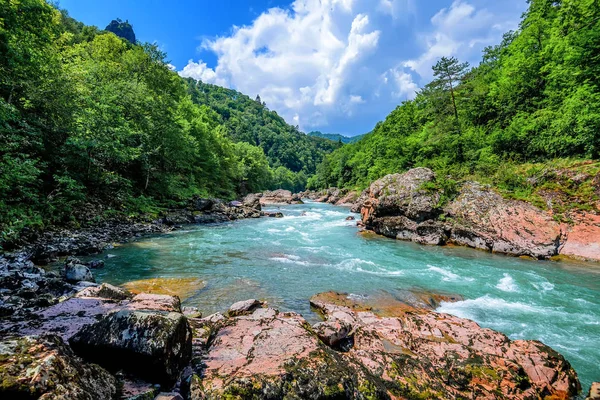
column 314, row 249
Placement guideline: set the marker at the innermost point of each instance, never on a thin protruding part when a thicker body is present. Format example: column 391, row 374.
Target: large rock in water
column 279, row 196
column 253, row 201
column 407, row 207
column 485, row 220
column 151, row 344
column 401, row 207
column 46, row 368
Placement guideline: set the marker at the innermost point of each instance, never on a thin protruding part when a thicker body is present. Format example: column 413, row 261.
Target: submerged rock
column 184, row 288
column 77, row 272
column 154, row 345
column 45, row 367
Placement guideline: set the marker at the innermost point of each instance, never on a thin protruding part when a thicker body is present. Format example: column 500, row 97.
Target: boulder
column 105, row 291
column 153, row 345
column 583, row 237
column 95, row 264
column 483, row 219
column 244, row 307
column 45, row 367
column 594, row 393
column 332, row 332
column 252, row 201
column 272, row 214
column 168, row 396
column 348, row 199
column 201, row 204
column 77, row 273
column 402, row 195
column 155, row 302
column 350, row 218
column 279, row 197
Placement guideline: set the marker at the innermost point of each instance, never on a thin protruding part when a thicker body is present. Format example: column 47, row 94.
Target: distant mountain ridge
column 336, row 137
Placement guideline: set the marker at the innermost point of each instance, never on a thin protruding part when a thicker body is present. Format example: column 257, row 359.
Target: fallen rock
column 350, row 218
column 153, row 345
column 244, row 307
column 77, row 272
column 45, row 367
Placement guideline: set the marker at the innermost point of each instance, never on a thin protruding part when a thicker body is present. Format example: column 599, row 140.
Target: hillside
column 250, row 121
column 336, row 137
column 525, row 119
column 95, row 125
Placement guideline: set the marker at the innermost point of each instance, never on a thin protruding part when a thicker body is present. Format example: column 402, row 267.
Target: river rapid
column 314, row 249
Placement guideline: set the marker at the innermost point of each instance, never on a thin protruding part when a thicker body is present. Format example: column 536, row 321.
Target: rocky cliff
column 410, row 206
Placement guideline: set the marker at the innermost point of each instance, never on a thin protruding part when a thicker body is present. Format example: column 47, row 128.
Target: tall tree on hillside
column 448, row 73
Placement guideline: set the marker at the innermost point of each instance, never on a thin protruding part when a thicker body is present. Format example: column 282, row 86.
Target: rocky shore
column 409, row 206
column 62, row 336
column 105, row 343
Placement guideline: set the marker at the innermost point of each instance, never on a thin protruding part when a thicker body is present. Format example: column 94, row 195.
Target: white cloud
column 320, row 61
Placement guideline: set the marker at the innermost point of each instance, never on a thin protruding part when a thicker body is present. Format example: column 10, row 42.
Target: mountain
column 335, row 137
column 121, row 29
column 250, row 121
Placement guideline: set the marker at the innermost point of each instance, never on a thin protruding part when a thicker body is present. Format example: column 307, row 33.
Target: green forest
column 90, row 118
column 530, row 107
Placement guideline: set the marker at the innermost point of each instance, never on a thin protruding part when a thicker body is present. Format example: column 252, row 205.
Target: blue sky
column 331, row 65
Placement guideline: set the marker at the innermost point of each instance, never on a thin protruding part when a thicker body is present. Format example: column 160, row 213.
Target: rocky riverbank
column 409, row 206
column 25, row 286
column 105, row 343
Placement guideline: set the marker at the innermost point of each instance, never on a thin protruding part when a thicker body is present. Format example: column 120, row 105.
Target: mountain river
column 314, row 249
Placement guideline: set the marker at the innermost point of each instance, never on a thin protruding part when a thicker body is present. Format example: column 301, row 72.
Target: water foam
column 448, row 276
column 507, row 284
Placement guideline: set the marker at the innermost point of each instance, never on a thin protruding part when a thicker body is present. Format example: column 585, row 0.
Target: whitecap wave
column 448, row 276
column 507, row 284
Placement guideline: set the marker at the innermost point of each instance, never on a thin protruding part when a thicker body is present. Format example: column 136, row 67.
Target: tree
column 449, row 73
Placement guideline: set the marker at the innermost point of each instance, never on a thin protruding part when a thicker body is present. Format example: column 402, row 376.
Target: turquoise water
column 313, row 249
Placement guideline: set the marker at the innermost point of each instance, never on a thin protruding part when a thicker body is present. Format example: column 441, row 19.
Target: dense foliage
column 336, row 137
column 87, row 117
column 250, row 121
column 533, row 99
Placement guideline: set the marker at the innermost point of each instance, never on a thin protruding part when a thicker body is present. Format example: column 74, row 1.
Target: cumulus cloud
column 323, row 63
